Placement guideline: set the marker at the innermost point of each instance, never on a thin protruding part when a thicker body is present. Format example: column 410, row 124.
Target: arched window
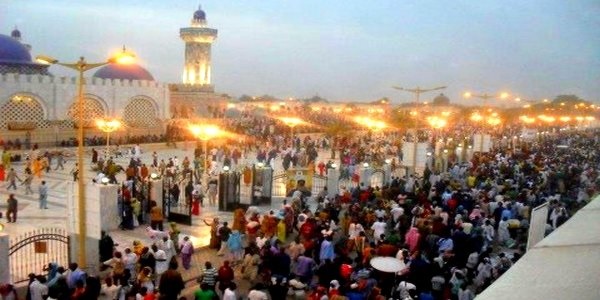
column 141, row 112
column 92, row 110
column 22, row 112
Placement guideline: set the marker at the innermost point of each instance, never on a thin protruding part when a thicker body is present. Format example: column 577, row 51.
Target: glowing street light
column 291, row 122
column 108, row 126
column 371, row 124
column 437, row 122
column 205, row 132
column 82, row 66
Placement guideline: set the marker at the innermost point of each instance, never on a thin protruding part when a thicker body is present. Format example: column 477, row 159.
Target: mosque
column 40, row 107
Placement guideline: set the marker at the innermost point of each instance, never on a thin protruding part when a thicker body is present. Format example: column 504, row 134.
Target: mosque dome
column 12, row 51
column 441, row 100
column 124, row 71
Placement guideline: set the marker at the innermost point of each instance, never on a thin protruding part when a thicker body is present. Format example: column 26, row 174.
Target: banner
column 295, row 175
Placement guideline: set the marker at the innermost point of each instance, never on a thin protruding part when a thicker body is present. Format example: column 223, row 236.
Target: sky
column 341, row 50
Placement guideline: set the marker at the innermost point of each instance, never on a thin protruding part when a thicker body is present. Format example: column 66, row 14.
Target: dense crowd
column 452, row 232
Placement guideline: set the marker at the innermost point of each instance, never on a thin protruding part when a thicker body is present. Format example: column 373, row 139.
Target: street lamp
column 291, row 122
column 485, row 97
column 205, row 132
column 108, row 126
column 417, row 91
column 81, row 66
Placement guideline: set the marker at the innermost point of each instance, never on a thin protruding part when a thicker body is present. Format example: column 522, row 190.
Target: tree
column 245, row 98
column 567, row 99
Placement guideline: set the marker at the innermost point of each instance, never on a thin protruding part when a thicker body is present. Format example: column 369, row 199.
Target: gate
column 32, row 251
column 176, row 207
column 279, row 184
column 318, row 183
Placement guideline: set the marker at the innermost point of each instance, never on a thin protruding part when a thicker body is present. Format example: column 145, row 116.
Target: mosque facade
column 38, row 106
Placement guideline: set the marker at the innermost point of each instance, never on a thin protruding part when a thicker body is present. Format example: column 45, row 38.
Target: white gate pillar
column 4, row 260
column 333, row 182
column 102, row 213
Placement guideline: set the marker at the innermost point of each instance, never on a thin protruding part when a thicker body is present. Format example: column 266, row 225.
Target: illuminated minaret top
column 198, row 39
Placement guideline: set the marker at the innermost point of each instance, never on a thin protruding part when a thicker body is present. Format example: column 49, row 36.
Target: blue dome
column 12, row 51
column 124, row 71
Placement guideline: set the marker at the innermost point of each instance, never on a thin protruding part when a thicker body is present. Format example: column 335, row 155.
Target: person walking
column 43, row 195
column 12, row 177
column 212, row 192
column 60, row 159
column 223, row 233
column 173, row 280
column 187, row 250
column 208, row 276
column 27, row 182
column 11, row 211
column 75, row 172
column 156, row 216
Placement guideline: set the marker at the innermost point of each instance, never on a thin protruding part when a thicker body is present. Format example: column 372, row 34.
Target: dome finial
column 16, row 34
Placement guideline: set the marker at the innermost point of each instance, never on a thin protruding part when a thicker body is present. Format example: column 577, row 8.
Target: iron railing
column 31, row 252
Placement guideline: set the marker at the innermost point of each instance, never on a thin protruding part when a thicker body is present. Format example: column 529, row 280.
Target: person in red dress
column 2, row 172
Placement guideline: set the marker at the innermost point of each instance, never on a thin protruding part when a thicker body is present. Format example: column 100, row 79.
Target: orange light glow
column 109, row 125
column 205, row 131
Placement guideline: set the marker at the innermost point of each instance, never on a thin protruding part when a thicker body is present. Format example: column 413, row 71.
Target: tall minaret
column 198, row 39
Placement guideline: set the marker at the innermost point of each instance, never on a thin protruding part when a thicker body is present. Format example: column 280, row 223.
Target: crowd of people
column 451, row 231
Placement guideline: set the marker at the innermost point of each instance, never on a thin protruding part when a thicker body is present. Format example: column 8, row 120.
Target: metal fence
column 32, row 251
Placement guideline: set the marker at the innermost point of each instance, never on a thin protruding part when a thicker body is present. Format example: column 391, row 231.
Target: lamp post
column 82, row 66
column 485, row 97
column 417, row 92
column 108, row 126
column 291, row 122
column 205, row 132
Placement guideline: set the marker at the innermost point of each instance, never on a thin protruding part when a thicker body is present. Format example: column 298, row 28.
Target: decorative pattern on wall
column 92, row 110
column 141, row 112
column 22, row 112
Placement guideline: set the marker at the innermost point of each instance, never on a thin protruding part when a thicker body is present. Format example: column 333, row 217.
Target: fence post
column 333, row 182
column 4, row 260
column 365, row 175
column 156, row 191
column 387, row 174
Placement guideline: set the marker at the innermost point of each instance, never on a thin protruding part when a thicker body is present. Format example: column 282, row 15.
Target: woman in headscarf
column 215, row 241
column 239, row 220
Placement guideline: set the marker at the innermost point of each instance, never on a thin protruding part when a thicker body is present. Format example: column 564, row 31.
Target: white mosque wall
column 57, row 94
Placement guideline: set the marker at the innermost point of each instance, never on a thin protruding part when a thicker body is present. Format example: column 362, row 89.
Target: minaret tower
column 198, row 40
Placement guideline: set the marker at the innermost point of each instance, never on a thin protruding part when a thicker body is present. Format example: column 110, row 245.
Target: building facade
column 38, row 106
